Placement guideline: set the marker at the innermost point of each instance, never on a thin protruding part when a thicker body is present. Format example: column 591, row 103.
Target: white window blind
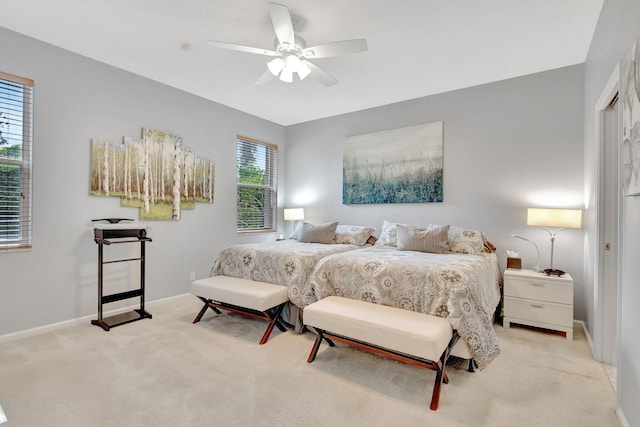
column 257, row 185
column 16, row 109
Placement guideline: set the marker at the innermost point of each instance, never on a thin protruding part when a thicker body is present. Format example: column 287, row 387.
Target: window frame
column 270, row 187
column 24, row 240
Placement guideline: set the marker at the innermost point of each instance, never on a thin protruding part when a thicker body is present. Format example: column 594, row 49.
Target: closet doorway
column 608, row 221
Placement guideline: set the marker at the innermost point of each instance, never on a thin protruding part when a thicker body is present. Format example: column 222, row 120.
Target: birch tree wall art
column 155, row 173
column 396, row 166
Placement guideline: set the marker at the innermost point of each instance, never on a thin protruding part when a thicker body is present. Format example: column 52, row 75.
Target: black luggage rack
column 111, row 236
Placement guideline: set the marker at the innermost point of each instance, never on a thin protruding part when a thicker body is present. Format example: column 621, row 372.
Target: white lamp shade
column 275, row 66
column 294, row 214
column 303, row 70
column 559, row 218
column 292, row 63
column 286, row 75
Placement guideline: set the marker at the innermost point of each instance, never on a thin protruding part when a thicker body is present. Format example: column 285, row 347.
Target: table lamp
column 294, row 214
column 554, row 220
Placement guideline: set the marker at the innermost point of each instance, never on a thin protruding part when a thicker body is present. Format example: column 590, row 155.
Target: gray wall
column 77, row 99
column 618, row 28
column 507, row 146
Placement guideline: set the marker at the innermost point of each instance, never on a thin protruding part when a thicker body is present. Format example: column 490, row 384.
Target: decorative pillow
column 433, row 239
column 466, row 241
column 388, row 234
column 353, row 234
column 320, row 233
column 296, row 230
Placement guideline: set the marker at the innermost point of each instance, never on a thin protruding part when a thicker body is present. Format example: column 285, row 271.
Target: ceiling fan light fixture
column 275, row 66
column 286, row 75
column 303, row 70
column 292, row 63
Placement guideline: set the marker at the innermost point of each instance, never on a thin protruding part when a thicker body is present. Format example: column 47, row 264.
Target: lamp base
column 553, row 272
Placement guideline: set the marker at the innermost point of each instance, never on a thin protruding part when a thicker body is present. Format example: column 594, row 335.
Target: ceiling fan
column 291, row 54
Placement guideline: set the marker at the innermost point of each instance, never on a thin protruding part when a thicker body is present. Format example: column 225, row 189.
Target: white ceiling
column 416, row 47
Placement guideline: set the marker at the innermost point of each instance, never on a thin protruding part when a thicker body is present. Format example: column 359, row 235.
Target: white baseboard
column 621, row 419
column 619, row 414
column 73, row 322
column 586, row 333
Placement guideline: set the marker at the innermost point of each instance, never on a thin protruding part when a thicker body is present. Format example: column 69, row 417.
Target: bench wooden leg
column 435, row 396
column 272, row 315
column 275, row 320
column 441, row 375
column 207, row 304
column 316, row 346
column 278, row 316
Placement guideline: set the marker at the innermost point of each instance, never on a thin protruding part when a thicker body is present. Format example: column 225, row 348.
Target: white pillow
column 388, row 234
column 353, row 234
column 466, row 241
column 297, row 226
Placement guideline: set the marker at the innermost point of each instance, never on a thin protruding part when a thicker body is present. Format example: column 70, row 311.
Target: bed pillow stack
column 342, row 234
column 460, row 240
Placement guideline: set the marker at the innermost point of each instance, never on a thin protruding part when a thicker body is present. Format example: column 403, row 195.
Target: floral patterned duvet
column 288, row 263
column 461, row 288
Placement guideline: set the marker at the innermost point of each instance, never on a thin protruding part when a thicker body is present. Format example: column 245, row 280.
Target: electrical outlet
column 192, row 276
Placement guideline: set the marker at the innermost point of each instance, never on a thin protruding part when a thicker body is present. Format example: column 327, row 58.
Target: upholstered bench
column 415, row 338
column 259, row 300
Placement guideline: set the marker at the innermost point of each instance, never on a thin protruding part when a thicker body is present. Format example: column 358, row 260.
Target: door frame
column 610, row 91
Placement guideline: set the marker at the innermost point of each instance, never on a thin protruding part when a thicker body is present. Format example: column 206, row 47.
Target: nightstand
column 536, row 299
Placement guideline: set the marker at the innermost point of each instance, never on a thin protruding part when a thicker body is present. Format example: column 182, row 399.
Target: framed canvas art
column 396, row 166
column 155, row 173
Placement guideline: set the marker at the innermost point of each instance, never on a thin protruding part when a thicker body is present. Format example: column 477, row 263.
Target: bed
column 463, row 286
column 290, row 262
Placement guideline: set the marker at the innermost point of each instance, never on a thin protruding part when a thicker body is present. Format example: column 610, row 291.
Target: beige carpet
column 169, row 372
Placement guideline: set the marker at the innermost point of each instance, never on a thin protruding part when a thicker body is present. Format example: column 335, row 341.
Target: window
column 16, row 95
column 257, row 184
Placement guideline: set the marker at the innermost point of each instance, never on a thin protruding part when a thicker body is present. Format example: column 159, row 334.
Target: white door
column 609, row 232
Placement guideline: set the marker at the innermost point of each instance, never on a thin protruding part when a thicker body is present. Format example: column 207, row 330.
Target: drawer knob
column 537, row 305
column 537, row 284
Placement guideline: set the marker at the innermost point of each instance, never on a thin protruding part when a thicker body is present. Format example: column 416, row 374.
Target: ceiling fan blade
column 320, row 75
column 242, row 48
column 344, row 47
column 266, row 77
column 282, row 24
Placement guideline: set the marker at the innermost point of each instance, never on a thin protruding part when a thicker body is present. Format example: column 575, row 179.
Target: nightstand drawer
column 538, row 312
column 539, row 289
